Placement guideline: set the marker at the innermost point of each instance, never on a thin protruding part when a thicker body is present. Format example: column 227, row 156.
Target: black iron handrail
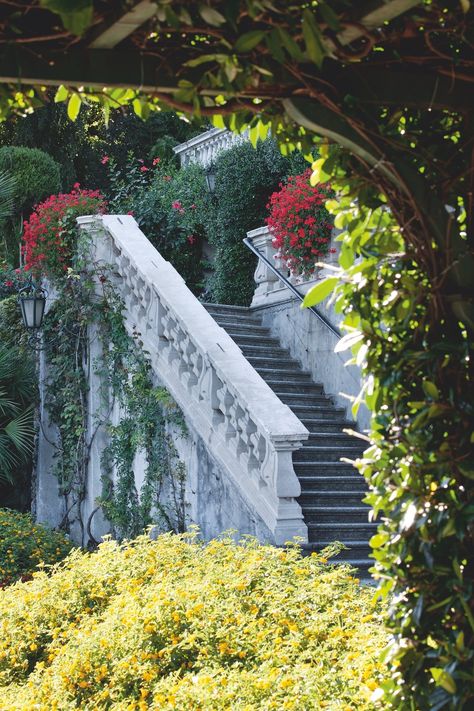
column 248, row 243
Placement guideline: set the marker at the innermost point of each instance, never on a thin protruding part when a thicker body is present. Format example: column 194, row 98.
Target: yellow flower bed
column 176, row 624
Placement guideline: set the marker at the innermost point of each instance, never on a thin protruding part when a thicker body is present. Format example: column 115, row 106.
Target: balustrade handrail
column 248, row 243
column 244, row 425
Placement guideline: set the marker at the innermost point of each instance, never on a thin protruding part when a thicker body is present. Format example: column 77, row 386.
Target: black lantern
column 32, row 300
column 211, row 179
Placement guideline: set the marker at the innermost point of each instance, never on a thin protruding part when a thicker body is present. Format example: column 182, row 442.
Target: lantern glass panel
column 32, row 308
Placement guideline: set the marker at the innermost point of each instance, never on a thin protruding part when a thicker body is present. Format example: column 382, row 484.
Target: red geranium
column 49, row 234
column 300, row 223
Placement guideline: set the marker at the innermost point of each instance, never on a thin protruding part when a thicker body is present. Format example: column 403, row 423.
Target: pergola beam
column 109, row 37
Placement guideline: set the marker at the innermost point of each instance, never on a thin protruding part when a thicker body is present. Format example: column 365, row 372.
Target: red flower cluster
column 49, row 234
column 300, row 223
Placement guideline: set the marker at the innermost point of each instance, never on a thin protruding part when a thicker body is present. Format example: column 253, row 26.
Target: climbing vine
column 87, row 309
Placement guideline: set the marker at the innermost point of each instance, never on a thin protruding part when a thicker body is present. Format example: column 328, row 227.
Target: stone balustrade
column 203, row 149
column 244, row 425
column 269, row 289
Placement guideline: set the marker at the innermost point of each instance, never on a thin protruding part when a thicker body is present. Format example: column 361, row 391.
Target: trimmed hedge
column 37, row 174
column 174, row 624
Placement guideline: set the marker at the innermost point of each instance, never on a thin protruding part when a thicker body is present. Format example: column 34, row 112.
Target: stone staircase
column 331, row 490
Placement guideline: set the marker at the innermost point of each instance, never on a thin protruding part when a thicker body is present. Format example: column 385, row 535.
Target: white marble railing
column 244, row 425
column 204, row 149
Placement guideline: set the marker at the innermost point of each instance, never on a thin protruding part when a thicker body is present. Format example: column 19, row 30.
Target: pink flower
column 191, row 239
column 143, row 169
column 140, row 160
column 76, row 186
column 167, row 178
column 193, row 206
column 156, row 161
column 130, row 212
column 105, row 160
column 176, row 205
column 8, row 283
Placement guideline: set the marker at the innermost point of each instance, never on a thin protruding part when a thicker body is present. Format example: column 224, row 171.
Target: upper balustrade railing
column 204, row 149
column 244, row 425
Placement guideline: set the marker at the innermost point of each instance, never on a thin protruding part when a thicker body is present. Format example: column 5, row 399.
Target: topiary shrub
column 245, row 179
column 176, row 624
column 25, row 544
column 37, row 174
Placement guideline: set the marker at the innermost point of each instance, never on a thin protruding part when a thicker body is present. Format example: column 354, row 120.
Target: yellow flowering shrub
column 25, row 544
column 178, row 624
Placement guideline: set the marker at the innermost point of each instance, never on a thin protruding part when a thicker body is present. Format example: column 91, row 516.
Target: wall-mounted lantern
column 32, row 300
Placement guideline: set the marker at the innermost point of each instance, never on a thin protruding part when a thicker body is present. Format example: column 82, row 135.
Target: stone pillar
column 265, row 279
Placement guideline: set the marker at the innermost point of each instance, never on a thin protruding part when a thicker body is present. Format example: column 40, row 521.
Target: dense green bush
column 24, row 545
column 171, row 206
column 78, row 146
column 177, row 625
column 245, row 179
column 37, row 174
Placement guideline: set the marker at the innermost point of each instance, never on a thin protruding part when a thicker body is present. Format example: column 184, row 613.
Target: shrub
column 175, row 624
column 24, row 545
column 245, row 179
column 49, row 236
column 37, row 174
column 171, row 206
column 300, row 223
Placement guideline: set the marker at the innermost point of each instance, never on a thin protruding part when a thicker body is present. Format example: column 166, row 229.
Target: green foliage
column 33, row 175
column 148, row 415
column 419, row 465
column 245, row 179
column 172, row 208
column 36, row 174
column 25, row 545
column 17, row 384
column 178, row 624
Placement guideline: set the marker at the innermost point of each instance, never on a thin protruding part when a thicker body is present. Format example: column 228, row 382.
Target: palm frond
column 20, row 431
column 7, row 194
column 7, row 405
column 8, row 460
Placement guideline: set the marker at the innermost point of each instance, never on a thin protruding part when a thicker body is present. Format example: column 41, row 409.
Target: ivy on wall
column 147, row 413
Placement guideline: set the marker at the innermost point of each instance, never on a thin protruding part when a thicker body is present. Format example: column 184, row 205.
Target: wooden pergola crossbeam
column 110, row 36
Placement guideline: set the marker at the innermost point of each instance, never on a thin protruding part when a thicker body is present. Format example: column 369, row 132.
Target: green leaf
column 249, row 40
column 443, row 679
column 290, row 45
column 378, row 540
column 348, row 341
column 212, row 16
column 76, row 15
column 320, row 291
column 329, row 16
column 74, row 106
column 430, row 389
column 313, row 38
column 61, row 94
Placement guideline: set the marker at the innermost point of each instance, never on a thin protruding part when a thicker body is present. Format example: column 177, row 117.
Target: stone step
column 329, row 411
column 257, row 349
column 287, row 365
column 333, row 497
column 330, row 514
column 321, row 468
column 309, row 453
column 343, row 532
column 298, row 399
column 316, row 426
column 286, row 376
column 334, row 438
column 353, row 485
column 219, row 309
column 244, row 329
column 282, row 386
column 253, row 339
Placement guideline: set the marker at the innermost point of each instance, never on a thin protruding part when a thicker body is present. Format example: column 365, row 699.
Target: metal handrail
column 248, row 243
